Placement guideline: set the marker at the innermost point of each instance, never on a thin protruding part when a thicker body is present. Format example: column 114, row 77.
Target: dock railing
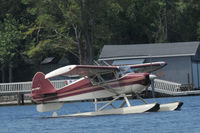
column 172, row 88
column 18, row 87
column 25, row 87
column 167, row 85
column 161, row 86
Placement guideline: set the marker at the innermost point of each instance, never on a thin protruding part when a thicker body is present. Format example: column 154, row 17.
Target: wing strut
column 139, row 97
column 103, row 85
column 110, row 103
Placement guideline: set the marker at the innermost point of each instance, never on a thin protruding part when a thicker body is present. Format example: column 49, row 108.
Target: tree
column 10, row 35
column 80, row 28
column 66, row 24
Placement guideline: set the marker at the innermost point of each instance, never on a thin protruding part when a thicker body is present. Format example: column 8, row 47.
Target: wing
column 147, row 67
column 82, row 70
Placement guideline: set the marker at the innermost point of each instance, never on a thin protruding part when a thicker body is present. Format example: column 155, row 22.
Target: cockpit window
column 103, row 77
column 125, row 69
column 108, row 76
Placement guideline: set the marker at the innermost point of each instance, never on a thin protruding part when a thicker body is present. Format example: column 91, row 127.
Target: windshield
column 124, row 70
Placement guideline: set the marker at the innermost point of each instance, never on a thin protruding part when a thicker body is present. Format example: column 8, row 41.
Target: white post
column 95, row 104
column 127, row 102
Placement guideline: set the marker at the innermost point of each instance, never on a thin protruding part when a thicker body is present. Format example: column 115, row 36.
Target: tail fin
column 41, row 87
column 41, row 90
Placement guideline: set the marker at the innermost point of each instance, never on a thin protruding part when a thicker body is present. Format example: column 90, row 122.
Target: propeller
column 152, row 77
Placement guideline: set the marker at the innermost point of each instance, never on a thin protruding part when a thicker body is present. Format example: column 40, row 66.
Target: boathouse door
column 196, row 74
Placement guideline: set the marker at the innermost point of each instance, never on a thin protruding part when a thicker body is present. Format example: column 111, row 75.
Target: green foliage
column 115, row 22
column 10, row 35
column 80, row 28
column 198, row 31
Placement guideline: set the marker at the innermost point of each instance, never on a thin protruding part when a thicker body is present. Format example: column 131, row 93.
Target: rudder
column 41, row 87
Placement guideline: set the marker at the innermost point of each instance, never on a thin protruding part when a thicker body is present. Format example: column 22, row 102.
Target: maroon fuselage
column 84, row 85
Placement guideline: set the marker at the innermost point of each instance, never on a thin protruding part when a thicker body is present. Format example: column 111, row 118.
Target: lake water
column 25, row 119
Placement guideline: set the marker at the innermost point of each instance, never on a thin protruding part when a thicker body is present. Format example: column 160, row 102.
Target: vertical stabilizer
column 41, row 87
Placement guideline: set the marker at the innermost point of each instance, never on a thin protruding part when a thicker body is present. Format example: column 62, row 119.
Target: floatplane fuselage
column 98, row 82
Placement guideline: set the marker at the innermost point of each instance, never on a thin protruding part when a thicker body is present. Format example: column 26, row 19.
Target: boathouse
column 183, row 59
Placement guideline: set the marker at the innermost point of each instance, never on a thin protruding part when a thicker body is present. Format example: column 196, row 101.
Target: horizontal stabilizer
column 49, row 107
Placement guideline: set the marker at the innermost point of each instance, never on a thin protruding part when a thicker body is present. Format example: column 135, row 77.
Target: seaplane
column 98, row 82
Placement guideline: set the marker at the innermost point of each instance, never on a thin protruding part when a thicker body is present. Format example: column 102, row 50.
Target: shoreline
column 30, row 102
column 15, row 103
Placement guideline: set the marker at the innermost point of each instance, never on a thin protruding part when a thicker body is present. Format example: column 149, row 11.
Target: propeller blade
column 152, row 77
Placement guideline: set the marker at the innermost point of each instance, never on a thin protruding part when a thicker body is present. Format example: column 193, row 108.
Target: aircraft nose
column 152, row 76
column 163, row 63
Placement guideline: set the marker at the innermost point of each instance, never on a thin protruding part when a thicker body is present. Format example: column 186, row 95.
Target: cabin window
column 96, row 80
column 102, row 78
column 108, row 76
column 124, row 70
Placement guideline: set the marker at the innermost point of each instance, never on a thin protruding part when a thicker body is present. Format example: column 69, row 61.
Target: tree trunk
column 10, row 72
column 165, row 25
column 93, row 32
column 88, row 30
column 83, row 49
column 3, row 74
